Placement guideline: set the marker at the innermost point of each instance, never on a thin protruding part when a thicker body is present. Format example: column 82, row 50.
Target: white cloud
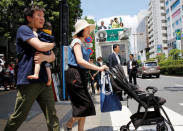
column 128, row 21
column 142, row 13
column 91, row 17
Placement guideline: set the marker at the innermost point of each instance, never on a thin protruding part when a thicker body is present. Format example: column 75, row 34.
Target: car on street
column 148, row 69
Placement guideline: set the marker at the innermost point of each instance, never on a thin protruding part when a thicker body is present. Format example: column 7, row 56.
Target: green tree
column 175, row 54
column 90, row 21
column 151, row 59
column 75, row 12
column 161, row 57
column 147, row 55
column 11, row 16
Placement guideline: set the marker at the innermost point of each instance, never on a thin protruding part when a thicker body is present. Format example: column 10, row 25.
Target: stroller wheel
column 161, row 127
column 124, row 128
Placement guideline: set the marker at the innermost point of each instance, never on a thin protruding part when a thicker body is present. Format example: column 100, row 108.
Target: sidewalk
column 36, row 121
column 109, row 121
column 99, row 122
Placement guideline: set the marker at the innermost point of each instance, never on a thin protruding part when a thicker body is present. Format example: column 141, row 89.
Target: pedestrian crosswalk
column 118, row 118
column 181, row 104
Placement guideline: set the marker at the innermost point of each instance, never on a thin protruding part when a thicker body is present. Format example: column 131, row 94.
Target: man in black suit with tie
column 115, row 59
column 132, row 69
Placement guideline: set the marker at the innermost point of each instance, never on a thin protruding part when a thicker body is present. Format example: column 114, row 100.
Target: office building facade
column 157, row 28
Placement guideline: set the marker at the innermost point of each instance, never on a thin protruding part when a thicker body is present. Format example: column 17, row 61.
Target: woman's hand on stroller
column 104, row 67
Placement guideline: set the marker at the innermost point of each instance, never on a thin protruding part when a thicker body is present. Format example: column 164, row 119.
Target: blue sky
column 105, row 10
column 108, row 8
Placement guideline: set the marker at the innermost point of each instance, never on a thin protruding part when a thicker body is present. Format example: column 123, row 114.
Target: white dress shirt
column 130, row 64
column 117, row 57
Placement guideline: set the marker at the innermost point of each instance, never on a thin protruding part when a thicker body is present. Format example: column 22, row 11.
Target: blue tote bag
column 108, row 100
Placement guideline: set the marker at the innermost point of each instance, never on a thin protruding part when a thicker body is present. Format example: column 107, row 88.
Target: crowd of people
column 113, row 24
column 8, row 70
column 94, row 77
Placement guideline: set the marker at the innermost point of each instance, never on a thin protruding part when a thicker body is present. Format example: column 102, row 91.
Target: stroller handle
column 110, row 73
column 152, row 88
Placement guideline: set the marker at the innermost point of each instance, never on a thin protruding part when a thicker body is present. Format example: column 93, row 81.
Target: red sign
column 88, row 39
column 90, row 51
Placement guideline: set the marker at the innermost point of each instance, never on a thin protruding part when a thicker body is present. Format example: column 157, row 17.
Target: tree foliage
column 160, row 57
column 90, row 21
column 11, row 15
column 175, row 54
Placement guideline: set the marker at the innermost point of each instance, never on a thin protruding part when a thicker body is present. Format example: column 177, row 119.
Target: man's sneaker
column 66, row 128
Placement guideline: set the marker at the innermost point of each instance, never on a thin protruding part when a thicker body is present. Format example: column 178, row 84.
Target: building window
column 168, row 19
column 173, row 34
column 164, row 21
column 163, row 8
column 164, row 41
column 163, row 14
column 164, row 34
column 177, row 22
column 175, row 4
column 167, row 11
column 173, row 25
column 164, row 28
column 166, row 2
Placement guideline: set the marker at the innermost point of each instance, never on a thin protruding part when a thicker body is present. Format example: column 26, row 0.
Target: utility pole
column 64, row 30
column 135, row 34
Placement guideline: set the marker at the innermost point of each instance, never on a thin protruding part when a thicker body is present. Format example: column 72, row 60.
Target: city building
column 157, row 28
column 141, row 35
column 174, row 14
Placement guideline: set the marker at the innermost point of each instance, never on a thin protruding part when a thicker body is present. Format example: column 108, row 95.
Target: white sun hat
column 82, row 24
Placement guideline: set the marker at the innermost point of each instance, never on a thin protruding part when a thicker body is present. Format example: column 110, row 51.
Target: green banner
column 112, row 35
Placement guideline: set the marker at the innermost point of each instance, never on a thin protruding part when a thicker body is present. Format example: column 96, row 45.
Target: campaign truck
column 105, row 39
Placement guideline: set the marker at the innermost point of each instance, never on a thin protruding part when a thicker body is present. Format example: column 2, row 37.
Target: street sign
column 88, row 39
column 178, row 34
column 90, row 51
column 109, row 35
column 159, row 49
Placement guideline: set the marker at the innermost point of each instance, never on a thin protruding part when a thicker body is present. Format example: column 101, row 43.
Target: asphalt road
column 169, row 87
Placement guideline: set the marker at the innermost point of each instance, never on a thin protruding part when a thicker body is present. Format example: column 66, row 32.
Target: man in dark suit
column 102, row 27
column 132, row 69
column 115, row 59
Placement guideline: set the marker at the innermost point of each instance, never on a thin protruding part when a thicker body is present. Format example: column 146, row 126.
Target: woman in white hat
column 82, row 104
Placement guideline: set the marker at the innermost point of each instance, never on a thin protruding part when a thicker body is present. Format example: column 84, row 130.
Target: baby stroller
column 146, row 99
